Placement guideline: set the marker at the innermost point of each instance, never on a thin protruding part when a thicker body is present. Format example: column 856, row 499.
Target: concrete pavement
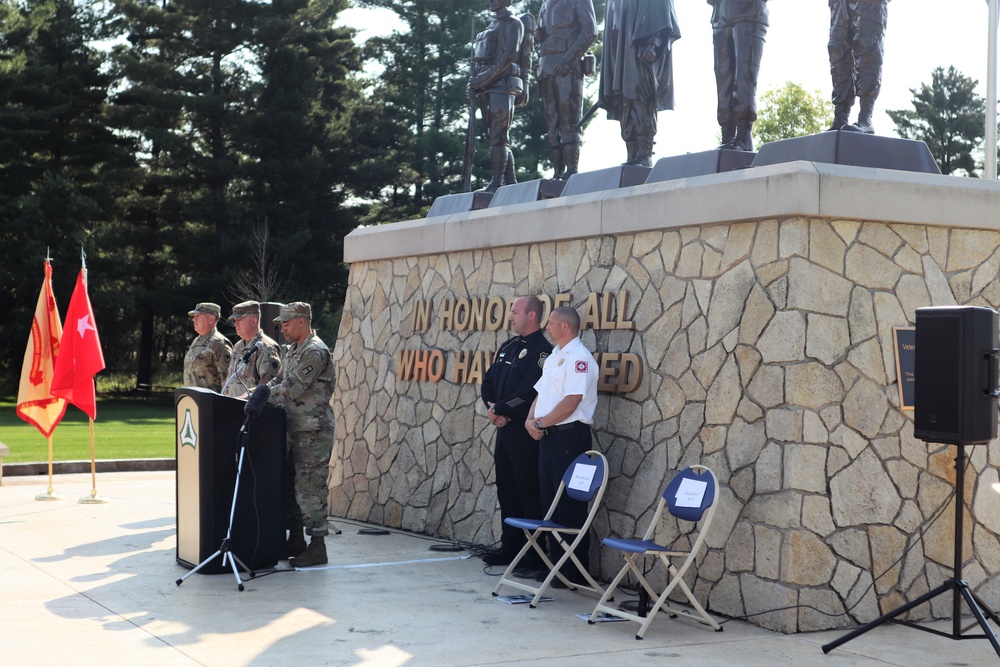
column 94, row 585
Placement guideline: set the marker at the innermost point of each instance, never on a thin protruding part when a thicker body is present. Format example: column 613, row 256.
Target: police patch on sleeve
column 581, row 366
column 541, row 359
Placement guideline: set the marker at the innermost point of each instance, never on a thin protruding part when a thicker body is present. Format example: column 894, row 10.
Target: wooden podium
column 208, row 439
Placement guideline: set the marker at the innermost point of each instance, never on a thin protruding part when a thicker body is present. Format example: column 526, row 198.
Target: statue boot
column 630, row 150
column 498, row 156
column 508, row 171
column 841, row 116
column 570, row 160
column 558, row 167
column 728, row 136
column 864, row 123
column 643, row 152
column 744, row 136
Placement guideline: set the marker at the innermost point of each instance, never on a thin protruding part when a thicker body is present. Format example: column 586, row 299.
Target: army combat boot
column 841, row 114
column 296, row 544
column 570, row 160
column 728, row 135
column 643, row 151
column 508, row 171
column 315, row 554
column 744, row 136
column 498, row 157
column 864, row 123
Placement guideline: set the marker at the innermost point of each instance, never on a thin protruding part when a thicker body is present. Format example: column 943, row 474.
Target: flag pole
column 991, row 93
column 93, row 498
column 51, row 495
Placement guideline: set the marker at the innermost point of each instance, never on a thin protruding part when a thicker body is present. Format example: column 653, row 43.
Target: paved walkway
column 94, row 585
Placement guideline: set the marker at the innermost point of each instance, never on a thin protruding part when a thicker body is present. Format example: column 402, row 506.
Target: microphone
column 253, row 348
column 258, row 399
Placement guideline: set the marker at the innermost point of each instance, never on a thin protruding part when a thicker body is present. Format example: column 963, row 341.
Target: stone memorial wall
column 755, row 338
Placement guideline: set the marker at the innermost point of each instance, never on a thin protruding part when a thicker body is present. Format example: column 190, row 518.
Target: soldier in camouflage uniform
column 303, row 387
column 207, row 359
column 263, row 364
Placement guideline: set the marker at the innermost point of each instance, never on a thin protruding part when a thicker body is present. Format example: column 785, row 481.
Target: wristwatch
column 538, row 424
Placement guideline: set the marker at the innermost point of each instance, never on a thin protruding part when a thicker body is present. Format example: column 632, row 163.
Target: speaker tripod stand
column 225, row 549
column 956, row 585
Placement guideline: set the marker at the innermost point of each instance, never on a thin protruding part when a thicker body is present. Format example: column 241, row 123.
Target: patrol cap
column 206, row 307
column 294, row 309
column 244, row 309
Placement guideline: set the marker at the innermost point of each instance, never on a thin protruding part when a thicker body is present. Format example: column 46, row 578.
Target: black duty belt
column 563, row 427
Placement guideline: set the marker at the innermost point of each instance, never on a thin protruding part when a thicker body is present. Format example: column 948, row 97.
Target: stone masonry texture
column 768, row 356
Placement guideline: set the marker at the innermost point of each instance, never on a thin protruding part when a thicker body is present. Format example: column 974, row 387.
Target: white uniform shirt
column 568, row 371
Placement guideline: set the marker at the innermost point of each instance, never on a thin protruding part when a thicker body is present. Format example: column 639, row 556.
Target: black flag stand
column 959, row 588
column 225, row 549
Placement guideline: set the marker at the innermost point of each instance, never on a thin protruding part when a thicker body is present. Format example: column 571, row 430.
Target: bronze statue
column 637, row 70
column 738, row 31
column 857, row 34
column 495, row 82
column 566, row 29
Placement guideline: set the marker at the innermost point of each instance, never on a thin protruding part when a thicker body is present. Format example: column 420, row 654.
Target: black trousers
column 556, row 451
column 515, row 455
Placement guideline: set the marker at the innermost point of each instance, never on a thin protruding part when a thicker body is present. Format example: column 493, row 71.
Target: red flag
column 35, row 402
column 80, row 355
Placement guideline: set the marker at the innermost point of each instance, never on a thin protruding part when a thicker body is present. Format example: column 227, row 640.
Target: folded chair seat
column 585, row 480
column 690, row 496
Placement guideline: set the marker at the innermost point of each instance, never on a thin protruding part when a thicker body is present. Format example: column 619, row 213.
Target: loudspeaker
column 268, row 311
column 955, row 375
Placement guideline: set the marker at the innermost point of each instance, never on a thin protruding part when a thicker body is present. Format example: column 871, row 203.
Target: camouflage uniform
column 303, row 387
column 260, row 369
column 208, row 357
column 263, row 364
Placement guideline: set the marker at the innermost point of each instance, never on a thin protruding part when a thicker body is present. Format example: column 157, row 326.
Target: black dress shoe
column 576, row 580
column 499, row 557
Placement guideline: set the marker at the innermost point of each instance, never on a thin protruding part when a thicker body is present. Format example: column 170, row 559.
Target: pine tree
column 949, row 117
column 61, row 165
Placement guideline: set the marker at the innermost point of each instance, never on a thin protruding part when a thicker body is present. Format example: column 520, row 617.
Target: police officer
column 303, row 387
column 508, row 391
column 738, row 31
column 263, row 364
column 857, row 36
column 207, row 359
column 560, row 419
column 566, row 29
column 495, row 81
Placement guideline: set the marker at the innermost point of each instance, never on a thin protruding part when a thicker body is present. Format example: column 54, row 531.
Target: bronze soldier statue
column 496, row 80
column 637, row 70
column 738, row 31
column 566, row 29
column 857, row 34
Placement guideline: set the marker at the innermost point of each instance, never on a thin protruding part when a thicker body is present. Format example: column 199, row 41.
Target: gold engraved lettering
column 447, row 315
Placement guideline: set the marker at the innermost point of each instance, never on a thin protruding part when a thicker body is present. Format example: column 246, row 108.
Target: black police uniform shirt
column 509, row 381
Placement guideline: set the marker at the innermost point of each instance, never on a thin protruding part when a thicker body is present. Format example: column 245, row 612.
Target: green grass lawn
column 125, row 428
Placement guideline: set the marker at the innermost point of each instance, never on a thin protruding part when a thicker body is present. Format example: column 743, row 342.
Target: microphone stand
column 225, row 549
column 244, row 361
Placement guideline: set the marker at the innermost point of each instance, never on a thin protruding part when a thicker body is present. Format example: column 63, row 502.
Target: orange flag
column 80, row 355
column 35, row 402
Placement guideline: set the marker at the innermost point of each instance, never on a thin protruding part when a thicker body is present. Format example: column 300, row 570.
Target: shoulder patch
column 581, row 366
column 541, row 359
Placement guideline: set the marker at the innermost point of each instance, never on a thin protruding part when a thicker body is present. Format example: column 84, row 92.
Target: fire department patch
column 581, row 367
